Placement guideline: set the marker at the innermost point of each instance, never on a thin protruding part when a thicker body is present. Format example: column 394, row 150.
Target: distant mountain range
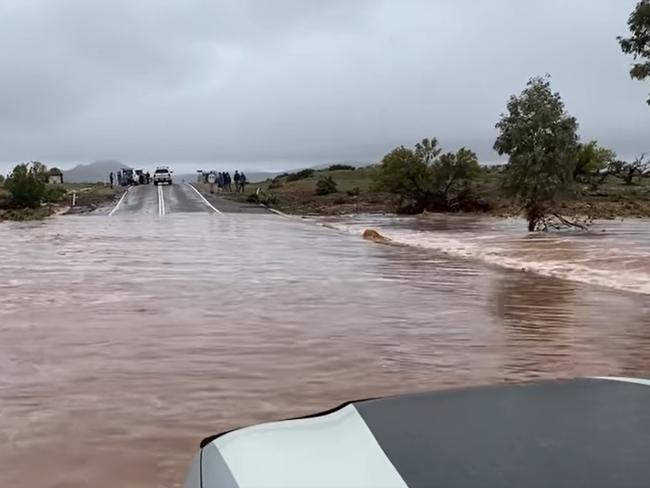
column 93, row 172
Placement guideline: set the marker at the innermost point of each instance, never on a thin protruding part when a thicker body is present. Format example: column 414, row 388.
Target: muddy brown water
column 124, row 341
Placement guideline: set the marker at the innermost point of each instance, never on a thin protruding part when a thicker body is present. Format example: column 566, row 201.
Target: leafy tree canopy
column 542, row 142
column 638, row 44
column 26, row 184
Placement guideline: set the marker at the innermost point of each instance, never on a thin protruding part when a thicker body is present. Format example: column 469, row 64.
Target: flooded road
column 126, row 340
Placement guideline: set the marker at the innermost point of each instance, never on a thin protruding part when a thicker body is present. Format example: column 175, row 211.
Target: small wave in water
column 612, row 254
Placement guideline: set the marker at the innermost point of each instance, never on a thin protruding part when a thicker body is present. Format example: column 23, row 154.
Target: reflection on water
column 124, row 341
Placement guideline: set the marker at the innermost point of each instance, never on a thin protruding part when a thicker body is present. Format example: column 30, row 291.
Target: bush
column 424, row 179
column 341, row 167
column 276, row 184
column 355, row 192
column 264, row 198
column 326, row 185
column 301, row 175
column 26, row 185
column 54, row 194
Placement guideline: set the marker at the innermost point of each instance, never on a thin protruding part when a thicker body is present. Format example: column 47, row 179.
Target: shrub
column 54, row 194
column 341, row 167
column 355, row 192
column 326, row 185
column 264, row 198
column 301, row 175
column 26, row 184
column 276, row 184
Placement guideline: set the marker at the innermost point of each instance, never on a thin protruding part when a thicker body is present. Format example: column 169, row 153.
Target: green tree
column 428, row 150
column 541, row 141
column 591, row 159
column 451, row 173
column 26, row 185
column 2, row 179
column 406, row 175
column 423, row 179
column 638, row 44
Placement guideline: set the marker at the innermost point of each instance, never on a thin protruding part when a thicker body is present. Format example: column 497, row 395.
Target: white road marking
column 277, row 212
column 217, row 211
column 119, row 202
column 161, row 202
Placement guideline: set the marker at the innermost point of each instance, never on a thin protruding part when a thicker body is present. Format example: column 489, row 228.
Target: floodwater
column 124, row 341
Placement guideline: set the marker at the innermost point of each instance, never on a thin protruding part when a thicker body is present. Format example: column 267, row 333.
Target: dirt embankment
column 91, row 198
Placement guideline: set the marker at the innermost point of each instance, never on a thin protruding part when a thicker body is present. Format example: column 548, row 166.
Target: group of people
column 129, row 177
column 223, row 181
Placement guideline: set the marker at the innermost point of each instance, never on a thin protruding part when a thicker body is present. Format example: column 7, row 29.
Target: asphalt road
column 177, row 198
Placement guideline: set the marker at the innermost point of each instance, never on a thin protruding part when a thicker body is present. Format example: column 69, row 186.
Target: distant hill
column 93, row 172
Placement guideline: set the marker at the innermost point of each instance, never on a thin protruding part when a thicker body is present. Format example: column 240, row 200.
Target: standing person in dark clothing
column 111, row 178
column 242, row 182
column 148, row 177
column 228, row 181
column 220, row 181
column 236, row 181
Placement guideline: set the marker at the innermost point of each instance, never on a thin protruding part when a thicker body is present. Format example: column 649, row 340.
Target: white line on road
column 277, row 212
column 161, row 202
column 217, row 211
column 119, row 202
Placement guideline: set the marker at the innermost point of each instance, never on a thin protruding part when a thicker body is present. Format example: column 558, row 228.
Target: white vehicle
column 162, row 175
column 585, row 432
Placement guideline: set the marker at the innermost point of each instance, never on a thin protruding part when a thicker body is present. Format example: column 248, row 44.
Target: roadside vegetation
column 550, row 178
column 32, row 192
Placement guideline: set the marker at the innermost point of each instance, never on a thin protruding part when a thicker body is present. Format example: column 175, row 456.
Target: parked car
column 162, row 175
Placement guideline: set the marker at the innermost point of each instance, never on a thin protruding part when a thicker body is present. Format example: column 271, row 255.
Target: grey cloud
column 292, row 82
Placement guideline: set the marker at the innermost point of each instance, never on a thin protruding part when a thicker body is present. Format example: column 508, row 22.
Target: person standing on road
column 236, row 181
column 111, row 178
column 242, row 182
column 228, row 181
column 220, row 181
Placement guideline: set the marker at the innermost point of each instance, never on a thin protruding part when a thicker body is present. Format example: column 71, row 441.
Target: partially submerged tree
column 638, row 44
column 541, row 140
column 26, row 184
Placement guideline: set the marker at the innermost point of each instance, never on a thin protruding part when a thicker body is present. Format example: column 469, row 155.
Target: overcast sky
column 275, row 84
